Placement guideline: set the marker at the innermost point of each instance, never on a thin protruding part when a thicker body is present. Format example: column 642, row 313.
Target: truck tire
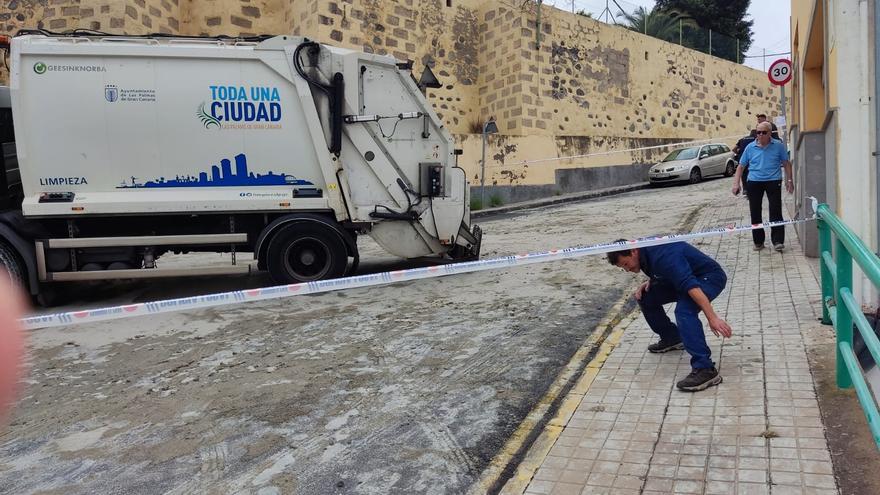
column 305, row 252
column 9, row 261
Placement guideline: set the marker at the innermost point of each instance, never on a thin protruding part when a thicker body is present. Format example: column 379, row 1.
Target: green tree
column 725, row 18
column 664, row 25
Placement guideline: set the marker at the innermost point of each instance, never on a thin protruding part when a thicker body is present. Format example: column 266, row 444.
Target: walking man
column 679, row 273
column 766, row 158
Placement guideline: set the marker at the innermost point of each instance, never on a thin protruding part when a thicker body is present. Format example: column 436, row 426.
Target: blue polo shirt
column 765, row 164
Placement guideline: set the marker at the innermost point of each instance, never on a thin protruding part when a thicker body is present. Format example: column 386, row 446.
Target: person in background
column 738, row 150
column 766, row 158
column 763, row 118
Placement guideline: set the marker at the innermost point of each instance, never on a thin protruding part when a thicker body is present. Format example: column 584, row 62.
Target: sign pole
column 782, row 98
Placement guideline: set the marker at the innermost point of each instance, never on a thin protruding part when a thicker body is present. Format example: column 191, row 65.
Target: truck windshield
column 682, row 154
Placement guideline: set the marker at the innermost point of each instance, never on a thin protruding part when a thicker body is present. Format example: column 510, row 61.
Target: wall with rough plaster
column 246, row 18
column 584, row 87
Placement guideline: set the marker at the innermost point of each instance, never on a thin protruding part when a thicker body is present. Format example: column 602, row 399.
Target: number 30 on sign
column 780, row 72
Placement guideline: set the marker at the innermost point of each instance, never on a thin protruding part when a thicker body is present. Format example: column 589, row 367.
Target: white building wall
column 856, row 178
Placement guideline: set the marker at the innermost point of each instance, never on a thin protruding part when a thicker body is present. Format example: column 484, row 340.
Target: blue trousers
column 687, row 327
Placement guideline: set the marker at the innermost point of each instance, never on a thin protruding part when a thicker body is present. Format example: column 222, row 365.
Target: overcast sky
column 771, row 23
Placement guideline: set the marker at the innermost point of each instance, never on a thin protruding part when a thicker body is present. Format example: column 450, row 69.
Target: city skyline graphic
column 220, row 176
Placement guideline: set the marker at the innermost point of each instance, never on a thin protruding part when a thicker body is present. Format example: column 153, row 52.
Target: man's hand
column 735, row 189
column 720, row 327
column 642, row 289
column 789, row 186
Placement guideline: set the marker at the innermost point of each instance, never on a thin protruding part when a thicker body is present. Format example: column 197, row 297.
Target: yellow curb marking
column 539, row 449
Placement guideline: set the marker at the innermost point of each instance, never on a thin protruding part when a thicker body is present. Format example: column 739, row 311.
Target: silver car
column 694, row 163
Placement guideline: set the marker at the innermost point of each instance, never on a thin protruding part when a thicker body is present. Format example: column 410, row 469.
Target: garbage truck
column 127, row 148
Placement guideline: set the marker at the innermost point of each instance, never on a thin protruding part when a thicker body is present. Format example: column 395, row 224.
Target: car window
column 724, row 148
column 706, row 150
column 682, row 154
column 716, row 150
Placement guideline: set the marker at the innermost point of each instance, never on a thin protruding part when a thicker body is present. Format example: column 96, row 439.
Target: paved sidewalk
column 627, row 429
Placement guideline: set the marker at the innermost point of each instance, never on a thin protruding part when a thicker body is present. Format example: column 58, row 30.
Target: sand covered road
column 406, row 388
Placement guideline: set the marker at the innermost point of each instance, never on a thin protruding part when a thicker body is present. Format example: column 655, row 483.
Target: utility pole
column 538, row 26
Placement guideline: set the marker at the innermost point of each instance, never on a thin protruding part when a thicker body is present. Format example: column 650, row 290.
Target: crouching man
column 679, row 273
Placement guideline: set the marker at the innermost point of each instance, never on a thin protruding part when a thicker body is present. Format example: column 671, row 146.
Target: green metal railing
column 842, row 310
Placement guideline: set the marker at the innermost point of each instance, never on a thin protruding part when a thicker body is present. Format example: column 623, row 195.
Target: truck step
column 149, row 273
column 155, row 240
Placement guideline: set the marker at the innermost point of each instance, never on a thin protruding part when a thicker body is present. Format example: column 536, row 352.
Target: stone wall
column 445, row 38
column 246, row 18
column 579, row 88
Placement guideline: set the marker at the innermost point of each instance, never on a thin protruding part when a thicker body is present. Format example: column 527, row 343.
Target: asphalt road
column 406, row 388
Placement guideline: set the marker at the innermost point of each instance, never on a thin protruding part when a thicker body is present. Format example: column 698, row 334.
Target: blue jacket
column 678, row 264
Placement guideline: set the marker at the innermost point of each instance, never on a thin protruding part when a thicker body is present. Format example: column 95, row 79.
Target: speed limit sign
column 780, row 72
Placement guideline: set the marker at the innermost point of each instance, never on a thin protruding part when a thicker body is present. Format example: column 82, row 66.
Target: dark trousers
column 687, row 327
column 773, row 188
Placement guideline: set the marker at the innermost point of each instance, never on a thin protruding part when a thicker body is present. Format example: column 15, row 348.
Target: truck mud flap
column 474, row 238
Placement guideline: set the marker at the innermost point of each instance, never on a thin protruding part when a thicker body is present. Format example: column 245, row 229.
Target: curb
column 555, row 200
column 516, row 461
column 540, row 448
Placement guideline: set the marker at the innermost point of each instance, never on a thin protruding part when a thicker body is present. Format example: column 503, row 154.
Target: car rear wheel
column 696, row 176
column 731, row 169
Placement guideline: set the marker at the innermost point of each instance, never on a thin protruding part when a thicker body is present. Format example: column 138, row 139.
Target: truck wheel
column 305, row 252
column 10, row 261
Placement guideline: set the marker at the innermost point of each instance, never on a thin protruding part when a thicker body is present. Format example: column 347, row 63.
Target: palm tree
column 663, row 25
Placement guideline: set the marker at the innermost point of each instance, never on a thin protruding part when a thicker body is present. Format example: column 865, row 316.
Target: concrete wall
column 855, row 163
column 584, row 87
column 810, row 172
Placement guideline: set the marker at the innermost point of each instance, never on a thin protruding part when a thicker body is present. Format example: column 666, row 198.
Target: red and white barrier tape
column 374, row 279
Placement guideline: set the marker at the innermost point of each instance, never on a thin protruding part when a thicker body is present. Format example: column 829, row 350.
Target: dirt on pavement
column 407, row 388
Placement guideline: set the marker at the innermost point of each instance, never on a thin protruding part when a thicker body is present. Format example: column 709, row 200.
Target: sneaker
column 665, row 346
column 758, row 247
column 779, row 247
column 699, row 379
